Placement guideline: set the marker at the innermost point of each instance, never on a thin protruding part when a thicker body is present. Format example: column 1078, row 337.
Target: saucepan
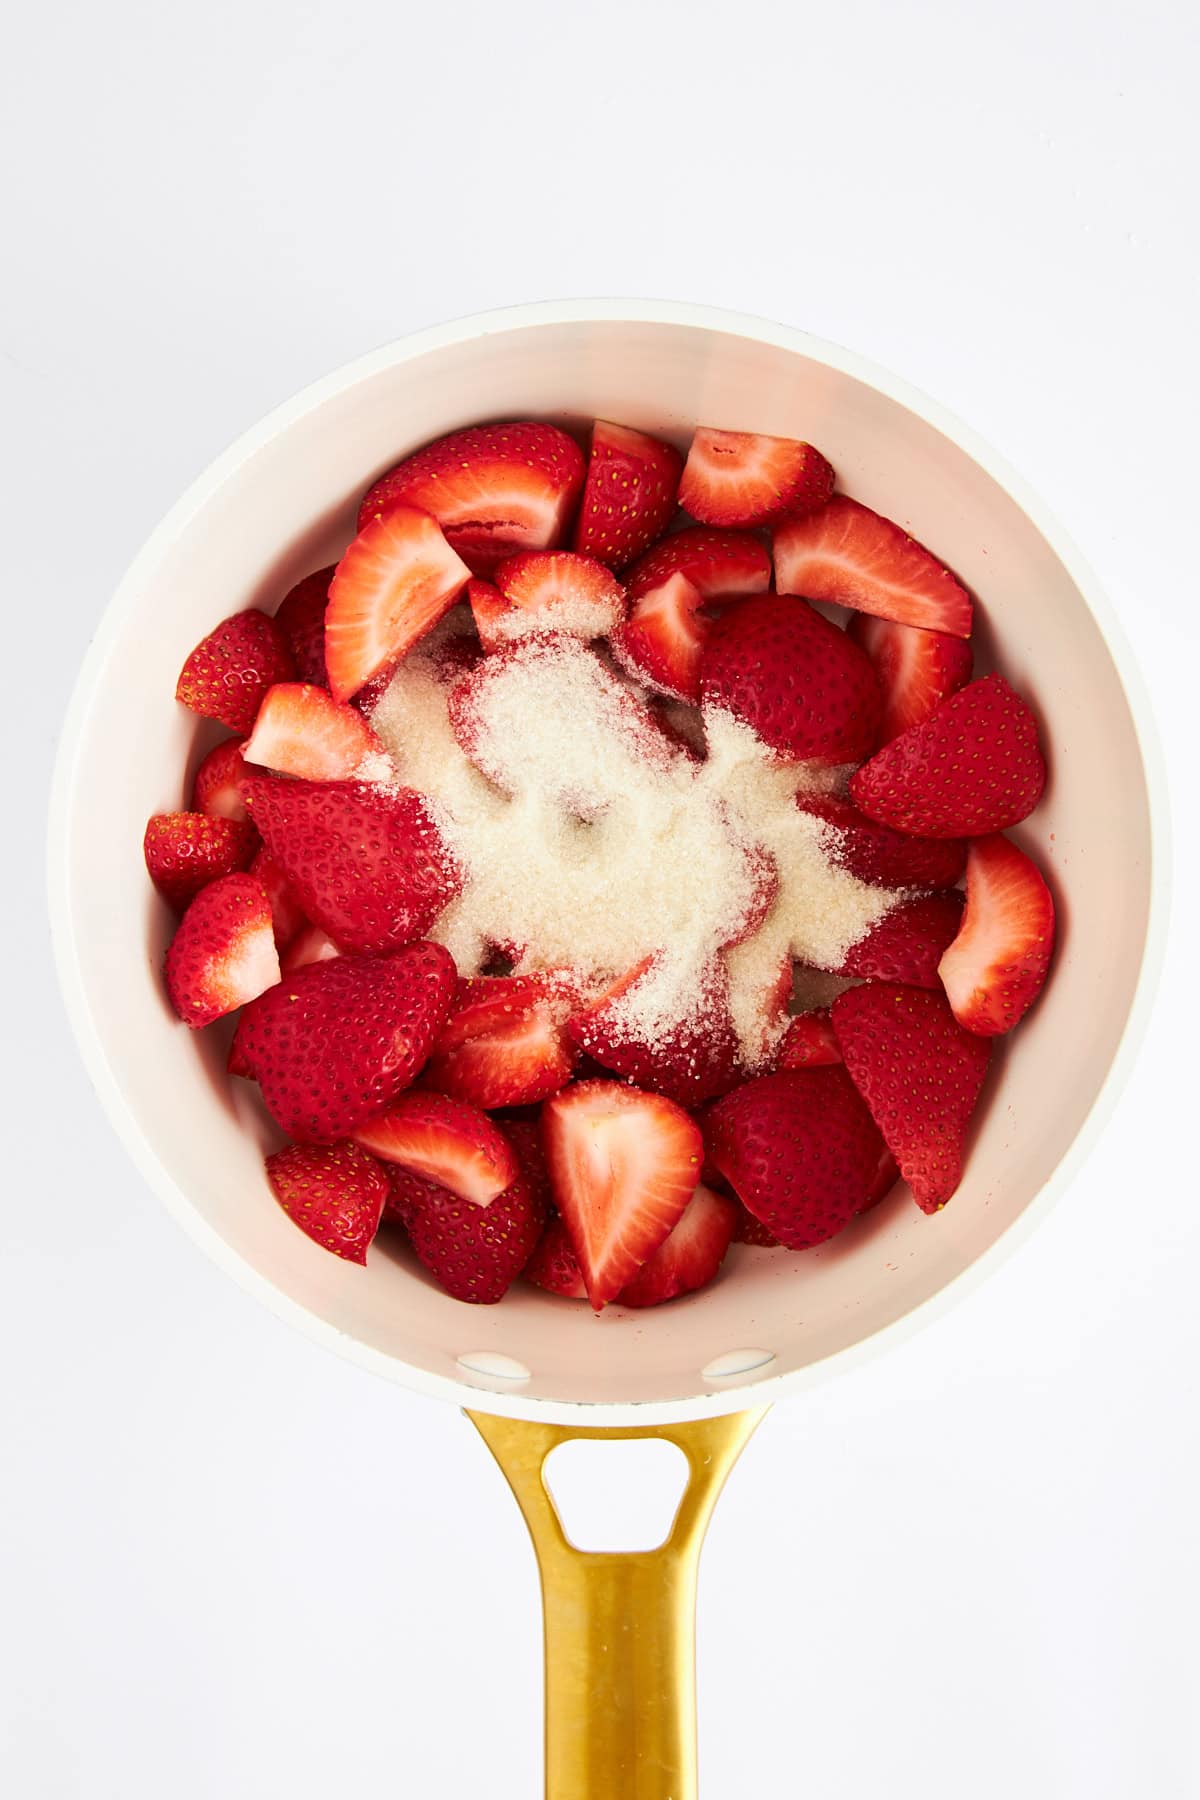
column 535, row 1371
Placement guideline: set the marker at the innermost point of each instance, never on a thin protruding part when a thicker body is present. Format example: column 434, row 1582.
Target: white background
column 236, row 1567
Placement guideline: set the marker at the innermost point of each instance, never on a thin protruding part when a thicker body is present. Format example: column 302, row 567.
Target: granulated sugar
column 598, row 844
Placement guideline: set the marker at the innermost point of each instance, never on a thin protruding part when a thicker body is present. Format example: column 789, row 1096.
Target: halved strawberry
column 369, row 864
column 184, row 851
column 309, row 945
column 474, row 1252
column 750, row 1230
column 920, row 1074
column 800, row 1150
column 489, row 608
column 217, row 784
column 300, row 616
column 794, row 678
column 974, row 767
column 335, row 1193
column 554, row 1264
column 287, row 914
column 739, row 478
column 662, row 641
column 623, row 1164
column 551, row 590
column 443, row 1140
column 881, row 856
column 504, row 1042
column 393, row 584
column 230, row 670
column 994, row 970
column 886, row 1177
column 917, row 669
column 689, row 1256
column 302, row 730
column 524, row 1133
column 908, row 943
column 336, row 1042
column 629, row 494
column 808, row 1042
column 855, row 557
column 223, row 953
column 493, row 489
column 721, row 565
column 688, row 1058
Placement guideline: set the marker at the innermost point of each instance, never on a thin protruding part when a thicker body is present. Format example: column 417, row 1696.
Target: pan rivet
column 736, row 1362
column 493, row 1364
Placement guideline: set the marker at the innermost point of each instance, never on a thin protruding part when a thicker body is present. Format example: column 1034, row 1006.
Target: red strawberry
column 300, row 616
column 738, row 478
column 223, row 953
column 854, row 557
column 794, row 678
column 808, row 1042
column 623, row 1164
column 994, row 969
column 886, row 1177
column 662, row 642
column 335, row 1043
column 690, row 1255
column 504, row 1042
column 525, row 1136
column 917, row 669
column 800, row 1150
column 554, row 1264
column 394, row 583
column 629, row 494
column 287, row 914
column 184, row 851
column 881, row 856
column 721, row 565
column 920, row 1073
column 907, row 943
column 688, row 1059
column 750, row 1230
column 553, row 590
column 974, row 767
column 309, row 945
column 493, row 489
column 302, row 730
column 217, row 785
column 334, row 1193
column 489, row 609
column 368, row 864
column 474, row 1252
column 230, row 670
column 443, row 1140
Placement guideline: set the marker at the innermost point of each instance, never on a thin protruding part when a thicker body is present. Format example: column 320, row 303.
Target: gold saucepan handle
column 620, row 1628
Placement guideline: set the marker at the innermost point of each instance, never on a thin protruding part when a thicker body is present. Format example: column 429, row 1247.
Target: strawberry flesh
column 504, row 1042
column 396, row 580
column 854, row 557
column 217, row 786
column 662, row 642
column 556, row 590
column 184, row 851
column 917, row 669
column 223, row 953
column 445, row 1141
column 689, row 1060
column 629, row 494
column 740, row 478
column 995, row 968
column 474, row 1252
column 302, row 730
column 287, row 914
column 309, row 945
column 691, row 1253
column 335, row 1193
column 230, row 670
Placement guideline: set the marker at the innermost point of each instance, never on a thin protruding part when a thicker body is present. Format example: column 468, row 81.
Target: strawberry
column 690, row 1254
column 524, row 1133
column 554, row 590
column 493, row 489
column 994, row 969
column 287, row 914
column 629, row 494
column 393, row 584
column 854, row 557
column 504, row 1042
column 302, row 730
column 662, row 642
column 300, row 616
column 808, row 1042
column 885, row 1179
column 800, row 1150
column 794, row 678
column 474, row 1252
column 368, row 864
column 907, row 943
column 974, row 767
column 689, row 1059
column 184, row 851
column 623, row 1165
column 554, row 1264
column 335, row 1193
column 217, row 784
column 917, row 669
column 335, row 1043
column 738, row 478
column 749, row 1230
column 309, row 945
column 881, row 856
column 445, row 1141
column 489, row 609
column 920, row 1074
column 230, row 670
column 223, row 953
column 721, row 565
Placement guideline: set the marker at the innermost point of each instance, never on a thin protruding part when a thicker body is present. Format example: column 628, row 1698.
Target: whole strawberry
column 335, row 1193
column 475, row 1252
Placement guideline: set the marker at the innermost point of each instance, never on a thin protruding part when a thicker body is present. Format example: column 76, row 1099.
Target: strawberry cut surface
column 690, row 1255
column 302, row 730
column 917, row 669
column 554, row 590
column 396, row 580
column 223, row 952
column 740, row 478
column 505, row 1042
column 445, row 1141
column 852, row 556
column 995, row 968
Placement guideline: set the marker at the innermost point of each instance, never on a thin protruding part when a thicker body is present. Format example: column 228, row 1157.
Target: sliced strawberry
column 800, row 1150
column 917, row 669
column 908, row 943
column 368, row 864
column 994, row 970
column 808, row 1042
column 554, row 1264
column 474, row 1252
column 184, row 851
column 223, row 953
column 738, row 478
column 886, row 1177
column 662, row 642
column 629, row 495
column 555, row 590
column 287, row 914
column 721, row 565
column 217, row 785
column 881, row 856
column 446, row 1141
column 489, row 609
column 230, row 670
column 794, row 678
column 302, row 730
column 524, row 1133
column 854, row 557
column 493, row 489
column 688, row 1058
column 309, row 945
column 623, row 1164
column 689, row 1256
column 750, row 1230
column 504, row 1042
column 335, row 1193
column 975, row 767
column 920, row 1074
column 397, row 579
column 300, row 616
column 334, row 1044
